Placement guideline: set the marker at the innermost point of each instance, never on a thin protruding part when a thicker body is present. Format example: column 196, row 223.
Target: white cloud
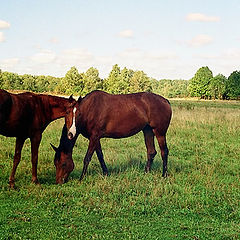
column 76, row 57
column 4, row 24
column 205, row 56
column 2, row 38
column 8, row 63
column 201, row 17
column 200, row 40
column 140, row 55
column 45, row 56
column 131, row 53
column 232, row 54
column 161, row 56
column 126, row 33
column 54, row 40
column 158, row 64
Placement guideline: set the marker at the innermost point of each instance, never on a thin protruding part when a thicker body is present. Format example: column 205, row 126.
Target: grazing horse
column 26, row 115
column 102, row 115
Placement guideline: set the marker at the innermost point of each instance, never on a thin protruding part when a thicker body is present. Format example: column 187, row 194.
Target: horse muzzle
column 70, row 136
column 61, row 180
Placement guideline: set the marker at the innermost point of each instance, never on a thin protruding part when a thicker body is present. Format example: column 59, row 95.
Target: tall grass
column 199, row 199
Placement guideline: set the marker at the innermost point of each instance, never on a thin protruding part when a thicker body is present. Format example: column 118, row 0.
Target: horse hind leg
column 149, row 142
column 164, row 151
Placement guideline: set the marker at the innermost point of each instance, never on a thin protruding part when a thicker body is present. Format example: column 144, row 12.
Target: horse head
column 64, row 165
column 63, row 154
column 70, row 119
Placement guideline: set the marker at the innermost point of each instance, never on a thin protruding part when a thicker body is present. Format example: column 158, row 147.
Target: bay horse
column 102, row 115
column 26, row 115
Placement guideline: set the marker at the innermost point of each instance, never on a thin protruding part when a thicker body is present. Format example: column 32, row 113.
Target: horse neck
column 56, row 106
column 66, row 145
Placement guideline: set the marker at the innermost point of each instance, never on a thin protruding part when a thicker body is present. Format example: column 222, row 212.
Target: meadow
column 200, row 199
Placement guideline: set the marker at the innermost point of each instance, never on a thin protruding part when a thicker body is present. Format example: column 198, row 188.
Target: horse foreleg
column 35, row 142
column 16, row 160
column 101, row 159
column 88, row 156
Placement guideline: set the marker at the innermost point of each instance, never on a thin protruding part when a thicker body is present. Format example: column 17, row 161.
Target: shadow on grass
column 48, row 178
column 133, row 164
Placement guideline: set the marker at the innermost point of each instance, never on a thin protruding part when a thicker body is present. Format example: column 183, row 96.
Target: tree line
column 203, row 85
column 206, row 86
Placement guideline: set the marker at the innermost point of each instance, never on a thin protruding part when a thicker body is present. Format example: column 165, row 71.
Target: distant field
column 199, row 200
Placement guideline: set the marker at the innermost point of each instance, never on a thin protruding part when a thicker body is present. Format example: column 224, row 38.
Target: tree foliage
column 217, row 87
column 112, row 83
column 199, row 84
column 203, row 85
column 171, row 88
column 91, row 80
column 72, row 83
column 233, row 85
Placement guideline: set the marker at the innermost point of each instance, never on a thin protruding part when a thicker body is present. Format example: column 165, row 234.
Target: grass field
column 199, row 200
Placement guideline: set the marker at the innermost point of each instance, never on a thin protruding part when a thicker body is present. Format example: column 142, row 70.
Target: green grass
column 199, row 200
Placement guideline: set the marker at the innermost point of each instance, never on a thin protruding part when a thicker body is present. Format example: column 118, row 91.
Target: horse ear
column 79, row 99
column 54, row 148
column 71, row 99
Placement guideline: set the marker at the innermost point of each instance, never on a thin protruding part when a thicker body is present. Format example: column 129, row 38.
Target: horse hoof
column 165, row 175
column 12, row 186
column 105, row 174
column 36, row 182
column 147, row 169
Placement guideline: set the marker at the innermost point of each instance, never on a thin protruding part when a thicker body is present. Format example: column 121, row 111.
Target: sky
column 165, row 39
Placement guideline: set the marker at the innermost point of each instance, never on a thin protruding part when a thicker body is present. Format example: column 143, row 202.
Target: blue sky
column 166, row 39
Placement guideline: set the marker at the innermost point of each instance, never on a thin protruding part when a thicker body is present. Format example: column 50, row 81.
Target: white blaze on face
column 72, row 129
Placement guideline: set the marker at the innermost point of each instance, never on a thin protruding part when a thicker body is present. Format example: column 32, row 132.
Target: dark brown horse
column 26, row 115
column 102, row 115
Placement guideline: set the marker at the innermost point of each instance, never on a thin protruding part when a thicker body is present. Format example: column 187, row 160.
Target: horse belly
column 13, row 131
column 121, row 128
column 15, row 126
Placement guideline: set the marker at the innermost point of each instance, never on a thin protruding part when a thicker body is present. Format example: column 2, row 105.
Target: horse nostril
column 70, row 135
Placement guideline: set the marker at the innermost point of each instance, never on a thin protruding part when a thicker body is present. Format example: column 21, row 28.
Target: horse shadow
column 135, row 164
column 128, row 166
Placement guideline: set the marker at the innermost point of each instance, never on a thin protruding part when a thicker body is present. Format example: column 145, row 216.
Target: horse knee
column 152, row 154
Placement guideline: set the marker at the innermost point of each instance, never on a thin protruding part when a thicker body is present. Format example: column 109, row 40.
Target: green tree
column 218, row 86
column 92, row 81
column 29, row 82
column 125, row 79
column 233, row 85
column 140, row 82
column 199, row 84
column 72, row 82
column 11, row 81
column 112, row 82
column 42, row 84
column 54, row 82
